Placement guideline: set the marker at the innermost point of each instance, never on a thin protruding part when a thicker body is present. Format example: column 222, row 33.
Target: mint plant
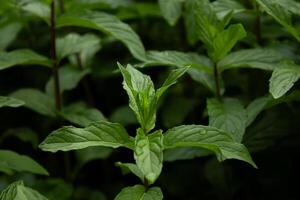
column 237, row 99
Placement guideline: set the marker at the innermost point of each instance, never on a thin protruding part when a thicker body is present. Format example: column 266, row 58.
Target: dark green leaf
column 130, row 167
column 10, row 102
column 139, row 192
column 171, row 10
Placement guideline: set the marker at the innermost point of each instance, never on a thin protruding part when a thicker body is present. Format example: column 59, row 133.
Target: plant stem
column 257, row 24
column 54, row 59
column 217, row 82
column 85, row 82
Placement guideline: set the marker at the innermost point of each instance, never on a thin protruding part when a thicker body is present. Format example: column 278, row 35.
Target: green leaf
column 86, row 155
column 14, row 162
column 142, row 97
column 108, row 24
column 139, row 192
column 251, row 58
column 213, row 139
column 123, row 115
column 130, row 167
column 9, row 32
column 22, row 57
column 171, row 80
column 24, row 134
column 80, row 114
column 283, row 78
column 200, row 21
column 281, row 14
column 256, row 107
column 171, row 10
column 74, row 43
column 228, row 115
column 148, row 154
column 224, row 7
column 36, row 101
column 17, row 191
column 37, row 8
column 224, row 41
column 69, row 78
column 10, row 102
column 185, row 153
column 100, row 133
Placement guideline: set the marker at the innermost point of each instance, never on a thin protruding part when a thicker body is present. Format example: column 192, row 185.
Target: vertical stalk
column 61, row 6
column 54, row 59
column 217, row 82
column 257, row 25
column 85, row 82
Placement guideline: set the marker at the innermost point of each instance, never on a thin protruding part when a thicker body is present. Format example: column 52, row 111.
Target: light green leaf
column 17, row 191
column 283, row 78
column 224, row 41
column 171, row 10
column 22, row 57
column 171, row 80
column 69, row 78
column 142, row 97
column 253, row 58
column 37, row 8
column 108, row 24
column 80, row 114
column 256, row 107
column 213, row 139
column 224, row 7
column 100, row 133
column 75, row 43
column 148, row 154
column 10, row 102
column 130, row 167
column 9, row 32
column 281, row 14
column 36, row 101
column 139, row 192
column 228, row 115
column 14, row 162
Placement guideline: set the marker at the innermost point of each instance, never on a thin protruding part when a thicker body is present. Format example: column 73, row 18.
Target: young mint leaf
column 100, row 133
column 228, row 115
column 36, row 101
column 130, row 167
column 108, row 24
column 224, row 41
column 75, row 43
column 259, row 58
column 80, row 114
column 148, row 154
column 13, row 162
column 281, row 13
column 171, row 10
column 10, row 102
column 22, row 57
column 142, row 97
column 139, row 192
column 224, row 7
column 283, row 78
column 213, row 139
column 17, row 191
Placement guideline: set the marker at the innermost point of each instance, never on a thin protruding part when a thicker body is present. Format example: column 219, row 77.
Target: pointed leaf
column 139, row 192
column 17, row 191
column 22, row 57
column 142, row 97
column 75, row 43
column 283, row 78
column 36, row 101
column 14, row 162
column 9, row 32
column 251, row 58
column 108, row 24
column 256, row 107
column 148, row 154
column 37, row 8
column 206, row 137
column 100, row 133
column 226, row 40
column 133, row 168
column 10, row 102
column 171, row 10
column 228, row 115
column 223, row 7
